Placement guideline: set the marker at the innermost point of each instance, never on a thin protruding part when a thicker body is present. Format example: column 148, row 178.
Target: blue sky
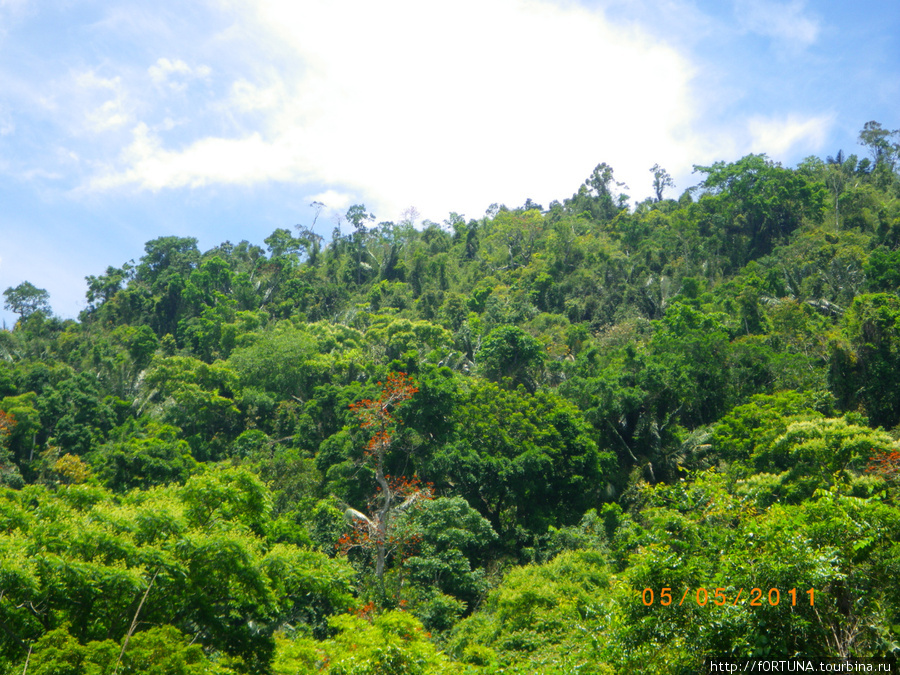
column 223, row 119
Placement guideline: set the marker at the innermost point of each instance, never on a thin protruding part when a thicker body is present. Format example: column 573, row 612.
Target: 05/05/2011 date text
column 755, row 597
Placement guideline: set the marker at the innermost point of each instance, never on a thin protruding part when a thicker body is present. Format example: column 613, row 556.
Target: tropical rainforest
column 498, row 445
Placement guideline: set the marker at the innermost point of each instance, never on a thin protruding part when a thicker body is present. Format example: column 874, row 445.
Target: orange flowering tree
column 392, row 496
column 885, row 463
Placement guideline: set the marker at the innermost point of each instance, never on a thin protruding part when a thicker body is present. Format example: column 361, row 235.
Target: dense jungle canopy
column 475, row 446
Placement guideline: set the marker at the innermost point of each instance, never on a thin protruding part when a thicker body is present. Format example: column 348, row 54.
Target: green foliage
column 392, row 643
column 452, row 539
column 147, row 455
column 540, row 619
column 25, row 299
column 526, row 461
column 511, row 356
column 22, row 438
column 82, row 558
column 878, row 140
column 74, row 415
column 281, row 361
column 197, row 398
column 868, row 358
column 757, row 424
column 596, row 198
column 692, row 349
column 226, row 495
column 156, row 651
column 688, row 393
column 883, row 270
column 755, row 203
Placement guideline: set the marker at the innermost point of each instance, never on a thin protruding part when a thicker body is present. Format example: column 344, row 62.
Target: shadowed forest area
column 476, row 446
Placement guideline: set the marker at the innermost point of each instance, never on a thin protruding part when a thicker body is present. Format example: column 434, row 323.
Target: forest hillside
column 507, row 444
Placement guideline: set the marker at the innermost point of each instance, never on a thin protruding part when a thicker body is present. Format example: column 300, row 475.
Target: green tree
column 144, row 455
column 392, row 643
column 524, row 461
column 691, row 348
column 26, row 299
column 515, row 238
column 281, row 243
column 452, row 539
column 511, row 356
column 75, row 414
column 196, row 397
column 542, row 619
column 161, row 650
column 754, row 203
column 282, row 361
column 596, row 197
column 883, row 270
column 866, row 363
column 878, row 140
column 166, row 257
column 661, row 181
column 358, row 217
column 22, row 438
column 103, row 287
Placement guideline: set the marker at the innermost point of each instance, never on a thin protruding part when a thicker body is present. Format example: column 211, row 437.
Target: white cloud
column 247, row 96
column 334, row 203
column 111, row 113
column 207, row 161
column 447, row 108
column 172, row 73
column 785, row 22
column 780, row 136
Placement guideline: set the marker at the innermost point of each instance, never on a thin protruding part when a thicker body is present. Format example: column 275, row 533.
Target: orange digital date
column 755, row 597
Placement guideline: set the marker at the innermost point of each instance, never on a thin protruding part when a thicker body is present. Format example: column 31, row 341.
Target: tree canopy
column 501, row 444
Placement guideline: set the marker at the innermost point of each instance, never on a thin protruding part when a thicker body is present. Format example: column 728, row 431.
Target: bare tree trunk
column 134, row 621
column 27, row 659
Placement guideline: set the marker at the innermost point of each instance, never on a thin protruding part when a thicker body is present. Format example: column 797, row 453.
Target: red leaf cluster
column 7, row 422
column 400, row 387
column 366, row 611
column 885, row 464
column 404, row 487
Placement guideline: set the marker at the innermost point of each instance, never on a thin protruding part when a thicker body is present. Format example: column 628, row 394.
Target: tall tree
column 661, row 181
column 878, row 140
column 358, row 216
column 393, row 496
column 597, row 197
column 26, row 299
column 755, row 202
